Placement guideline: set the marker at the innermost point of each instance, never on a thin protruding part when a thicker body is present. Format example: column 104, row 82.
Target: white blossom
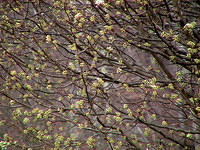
column 99, row 2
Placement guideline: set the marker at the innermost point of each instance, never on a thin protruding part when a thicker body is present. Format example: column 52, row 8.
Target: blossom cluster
column 99, row 2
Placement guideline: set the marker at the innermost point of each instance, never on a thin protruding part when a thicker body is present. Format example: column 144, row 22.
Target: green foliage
column 100, row 74
column 4, row 145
